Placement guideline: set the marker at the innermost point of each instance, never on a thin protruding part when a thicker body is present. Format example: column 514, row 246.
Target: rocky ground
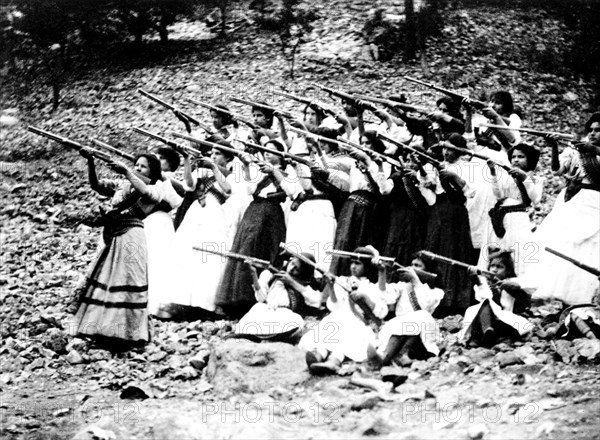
column 189, row 382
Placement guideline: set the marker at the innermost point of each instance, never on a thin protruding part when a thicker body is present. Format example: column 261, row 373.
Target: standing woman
column 114, row 301
column 515, row 192
column 260, row 231
column 501, row 111
column 196, row 274
column 227, row 127
column 356, row 222
column 402, row 214
column 448, row 232
column 160, row 233
column 573, row 225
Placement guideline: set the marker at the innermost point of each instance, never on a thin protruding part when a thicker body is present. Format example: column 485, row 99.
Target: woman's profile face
column 142, row 167
column 594, row 133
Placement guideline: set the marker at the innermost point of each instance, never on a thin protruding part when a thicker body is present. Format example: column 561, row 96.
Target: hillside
column 48, row 392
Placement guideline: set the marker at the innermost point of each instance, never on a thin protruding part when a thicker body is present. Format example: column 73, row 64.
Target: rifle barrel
column 565, row 136
column 590, row 269
column 112, row 149
column 425, row 156
column 453, row 262
column 168, row 106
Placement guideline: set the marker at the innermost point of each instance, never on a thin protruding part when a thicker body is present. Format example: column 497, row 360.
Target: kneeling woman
column 497, row 316
column 115, row 298
column 283, row 296
column 344, row 333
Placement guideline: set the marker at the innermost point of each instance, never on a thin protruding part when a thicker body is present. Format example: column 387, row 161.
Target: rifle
column 256, row 262
column 324, row 108
column 394, row 104
column 590, row 269
column 436, row 163
column 335, row 92
column 382, row 156
column 456, row 96
column 204, row 143
column 169, row 106
column 70, row 143
column 562, row 136
column 451, row 262
column 264, row 107
column 290, row 156
column 368, row 313
column 170, row 143
column 101, row 155
column 464, row 151
column 424, row 276
column 235, row 116
column 112, row 149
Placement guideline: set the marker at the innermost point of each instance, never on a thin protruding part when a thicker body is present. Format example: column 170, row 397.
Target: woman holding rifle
column 261, row 229
column 204, row 225
column 114, row 300
column 573, row 225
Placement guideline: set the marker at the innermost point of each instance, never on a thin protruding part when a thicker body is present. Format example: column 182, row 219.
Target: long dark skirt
column 404, row 234
column 261, row 230
column 115, row 300
column 449, row 235
column 354, row 229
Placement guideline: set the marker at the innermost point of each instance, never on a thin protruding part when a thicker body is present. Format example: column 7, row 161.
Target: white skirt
column 197, row 274
column 263, row 320
column 418, row 323
column 160, row 234
column 341, row 332
column 572, row 228
column 311, row 228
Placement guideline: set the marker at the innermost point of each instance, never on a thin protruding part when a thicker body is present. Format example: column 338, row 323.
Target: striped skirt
column 114, row 303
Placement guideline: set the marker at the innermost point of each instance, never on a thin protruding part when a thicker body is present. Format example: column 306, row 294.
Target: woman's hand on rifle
column 408, row 274
column 205, row 163
column 517, row 174
column 492, row 166
column 118, row 167
column 183, row 119
column 266, row 167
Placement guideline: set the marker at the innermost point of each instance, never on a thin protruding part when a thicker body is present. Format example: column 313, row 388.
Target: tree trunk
column 164, row 33
column 410, row 31
column 55, row 93
column 223, row 6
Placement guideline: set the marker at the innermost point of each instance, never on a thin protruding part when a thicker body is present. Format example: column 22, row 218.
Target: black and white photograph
column 299, row 219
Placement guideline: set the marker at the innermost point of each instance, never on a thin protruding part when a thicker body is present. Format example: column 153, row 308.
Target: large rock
column 239, row 366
